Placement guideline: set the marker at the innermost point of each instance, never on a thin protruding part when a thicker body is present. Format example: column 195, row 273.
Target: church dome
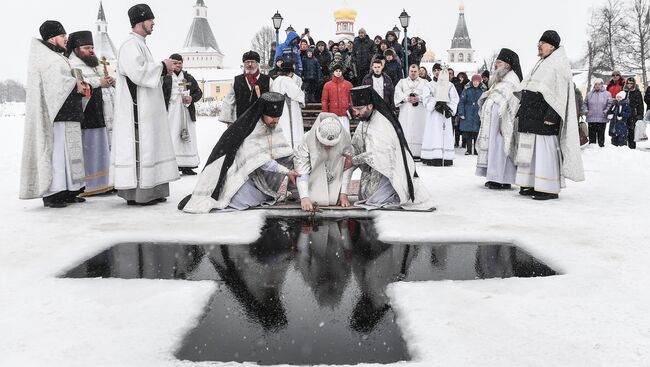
column 345, row 13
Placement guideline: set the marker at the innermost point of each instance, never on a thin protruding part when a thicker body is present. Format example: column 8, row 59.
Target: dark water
column 305, row 292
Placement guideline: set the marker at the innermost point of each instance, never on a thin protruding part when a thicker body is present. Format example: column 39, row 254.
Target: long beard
column 248, row 71
column 498, row 76
column 90, row 60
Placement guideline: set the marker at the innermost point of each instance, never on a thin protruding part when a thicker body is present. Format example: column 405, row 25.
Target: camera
column 306, row 30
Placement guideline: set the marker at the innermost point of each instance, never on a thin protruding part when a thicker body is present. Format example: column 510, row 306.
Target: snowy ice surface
column 595, row 314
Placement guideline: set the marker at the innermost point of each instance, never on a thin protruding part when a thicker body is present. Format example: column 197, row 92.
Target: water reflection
column 305, row 292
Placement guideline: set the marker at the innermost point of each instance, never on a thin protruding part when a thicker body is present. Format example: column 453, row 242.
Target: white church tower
column 104, row 46
column 200, row 50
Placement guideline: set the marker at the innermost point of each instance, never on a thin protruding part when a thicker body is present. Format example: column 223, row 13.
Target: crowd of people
column 88, row 133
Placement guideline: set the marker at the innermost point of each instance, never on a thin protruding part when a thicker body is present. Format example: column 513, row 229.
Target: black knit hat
column 552, row 38
column 139, row 13
column 51, row 28
column 80, row 38
column 250, row 55
column 511, row 58
column 485, row 74
column 436, row 66
column 273, row 104
column 361, row 95
column 337, row 66
column 176, row 57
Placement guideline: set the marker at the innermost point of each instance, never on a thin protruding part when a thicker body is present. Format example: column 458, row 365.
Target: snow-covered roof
column 213, row 75
column 200, row 38
column 104, row 46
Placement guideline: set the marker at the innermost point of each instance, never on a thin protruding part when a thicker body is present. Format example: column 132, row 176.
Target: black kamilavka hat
column 51, row 28
column 273, row 104
column 361, row 95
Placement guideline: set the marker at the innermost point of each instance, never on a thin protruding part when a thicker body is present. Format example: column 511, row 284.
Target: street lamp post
column 404, row 20
column 396, row 31
column 290, row 29
column 277, row 23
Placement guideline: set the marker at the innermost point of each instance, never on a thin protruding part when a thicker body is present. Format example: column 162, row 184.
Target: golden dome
column 345, row 13
column 462, row 7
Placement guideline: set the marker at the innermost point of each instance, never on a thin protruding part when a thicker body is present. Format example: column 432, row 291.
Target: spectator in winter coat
column 311, row 76
column 324, row 58
column 380, row 82
column 362, row 53
column 468, row 111
column 636, row 109
column 459, row 83
column 485, row 76
column 274, row 48
column 393, row 67
column 289, row 51
column 618, row 114
column 377, row 40
column 336, row 96
column 616, row 84
column 595, row 106
column 379, row 54
column 273, row 73
column 393, row 43
column 417, row 48
column 424, row 74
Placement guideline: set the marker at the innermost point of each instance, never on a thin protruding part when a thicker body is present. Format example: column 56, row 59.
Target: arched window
column 469, row 57
column 460, row 57
column 451, row 58
column 197, row 12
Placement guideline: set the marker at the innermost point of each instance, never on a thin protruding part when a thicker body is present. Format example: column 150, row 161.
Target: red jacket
column 614, row 88
column 336, row 96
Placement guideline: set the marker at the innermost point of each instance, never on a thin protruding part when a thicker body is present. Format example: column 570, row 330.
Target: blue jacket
column 311, row 69
column 290, row 53
column 469, row 109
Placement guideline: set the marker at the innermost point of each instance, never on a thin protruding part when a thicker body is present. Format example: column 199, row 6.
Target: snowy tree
column 638, row 35
column 607, row 35
column 12, row 91
column 261, row 43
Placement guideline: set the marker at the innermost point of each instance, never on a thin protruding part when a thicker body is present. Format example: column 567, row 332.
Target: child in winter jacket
column 618, row 114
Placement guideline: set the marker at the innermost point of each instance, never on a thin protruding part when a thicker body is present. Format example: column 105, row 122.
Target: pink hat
column 476, row 78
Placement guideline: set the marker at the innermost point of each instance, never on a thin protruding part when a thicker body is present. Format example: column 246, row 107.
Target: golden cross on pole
column 105, row 63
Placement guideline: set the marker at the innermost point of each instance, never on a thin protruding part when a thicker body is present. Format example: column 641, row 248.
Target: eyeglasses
column 613, row 75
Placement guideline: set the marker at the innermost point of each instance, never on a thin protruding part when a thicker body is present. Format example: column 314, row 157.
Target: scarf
column 252, row 78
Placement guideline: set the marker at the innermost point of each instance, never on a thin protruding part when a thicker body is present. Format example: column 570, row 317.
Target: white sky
column 515, row 24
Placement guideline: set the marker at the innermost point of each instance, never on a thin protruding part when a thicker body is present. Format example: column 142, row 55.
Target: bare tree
column 12, row 91
column 638, row 36
column 607, row 33
column 261, row 43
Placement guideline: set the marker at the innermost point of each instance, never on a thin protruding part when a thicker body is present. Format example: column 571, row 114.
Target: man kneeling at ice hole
column 323, row 160
column 249, row 163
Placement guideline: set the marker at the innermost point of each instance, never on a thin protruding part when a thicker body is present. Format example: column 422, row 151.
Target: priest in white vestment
column 181, row 91
column 441, row 100
column 248, row 164
column 412, row 114
column 388, row 176
column 549, row 146
column 319, row 160
column 52, row 165
column 496, row 143
column 291, row 120
column 94, row 135
column 143, row 158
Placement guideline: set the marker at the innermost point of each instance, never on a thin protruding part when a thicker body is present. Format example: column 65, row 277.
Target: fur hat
column 273, row 104
column 329, row 131
column 598, row 80
column 139, row 13
column 250, row 55
column 552, row 38
column 288, row 66
column 51, row 28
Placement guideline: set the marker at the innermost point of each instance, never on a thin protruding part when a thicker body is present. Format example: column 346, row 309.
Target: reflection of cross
column 305, row 297
column 105, row 63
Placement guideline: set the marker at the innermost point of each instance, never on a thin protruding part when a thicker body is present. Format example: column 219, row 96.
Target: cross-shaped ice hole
column 305, row 292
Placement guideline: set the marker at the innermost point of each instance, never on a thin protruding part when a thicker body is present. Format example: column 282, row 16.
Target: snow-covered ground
column 595, row 314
